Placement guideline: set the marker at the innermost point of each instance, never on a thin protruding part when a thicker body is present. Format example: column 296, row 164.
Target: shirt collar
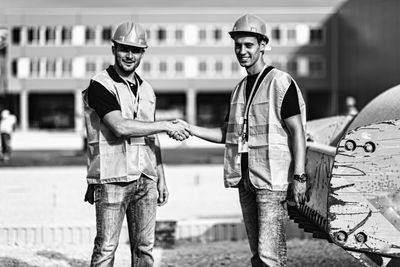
column 115, row 76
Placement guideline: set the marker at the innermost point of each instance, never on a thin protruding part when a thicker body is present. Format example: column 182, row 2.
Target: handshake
column 179, row 130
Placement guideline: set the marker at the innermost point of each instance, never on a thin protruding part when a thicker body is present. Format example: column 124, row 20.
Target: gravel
column 233, row 254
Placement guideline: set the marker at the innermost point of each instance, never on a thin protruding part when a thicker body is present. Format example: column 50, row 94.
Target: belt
column 134, row 141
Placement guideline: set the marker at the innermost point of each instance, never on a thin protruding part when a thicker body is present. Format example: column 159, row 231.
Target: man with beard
column 125, row 173
column 264, row 143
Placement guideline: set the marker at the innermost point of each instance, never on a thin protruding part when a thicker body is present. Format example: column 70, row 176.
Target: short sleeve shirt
column 290, row 103
column 102, row 100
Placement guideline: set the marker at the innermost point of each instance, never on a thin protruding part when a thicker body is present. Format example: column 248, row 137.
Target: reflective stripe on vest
column 270, row 159
column 113, row 159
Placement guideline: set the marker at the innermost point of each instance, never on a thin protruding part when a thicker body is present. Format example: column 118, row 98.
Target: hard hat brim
column 234, row 33
column 130, row 44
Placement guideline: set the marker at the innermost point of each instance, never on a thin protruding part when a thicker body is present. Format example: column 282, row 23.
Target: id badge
column 242, row 145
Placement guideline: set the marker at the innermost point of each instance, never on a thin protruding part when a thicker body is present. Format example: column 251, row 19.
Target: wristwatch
column 302, row 178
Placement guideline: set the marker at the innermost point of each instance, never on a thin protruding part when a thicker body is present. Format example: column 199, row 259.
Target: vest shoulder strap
column 104, row 79
column 260, row 78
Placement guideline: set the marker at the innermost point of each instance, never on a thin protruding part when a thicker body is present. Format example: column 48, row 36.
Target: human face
column 249, row 52
column 127, row 58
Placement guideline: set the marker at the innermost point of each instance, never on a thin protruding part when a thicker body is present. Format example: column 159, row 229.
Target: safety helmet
column 250, row 23
column 130, row 33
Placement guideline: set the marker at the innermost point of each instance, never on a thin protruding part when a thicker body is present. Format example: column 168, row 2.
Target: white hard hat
column 252, row 24
column 130, row 33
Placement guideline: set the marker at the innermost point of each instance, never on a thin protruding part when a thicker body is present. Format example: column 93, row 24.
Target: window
column 203, row 66
column 235, row 67
column 291, row 35
column 32, row 35
column 217, row 34
column 66, row 35
column 316, row 36
column 148, row 34
column 16, row 36
column 35, row 67
column 146, row 66
column 90, row 35
column 161, row 35
column 50, row 35
column 218, row 66
column 90, row 67
column 163, row 66
column 179, row 66
column 51, row 67
column 292, row 67
column 202, row 35
column 316, row 67
column 67, row 67
column 276, row 34
column 179, row 35
column 106, row 34
column 14, row 67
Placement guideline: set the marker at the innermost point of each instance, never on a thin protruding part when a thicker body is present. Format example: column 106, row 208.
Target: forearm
column 215, row 135
column 160, row 167
column 136, row 128
column 123, row 127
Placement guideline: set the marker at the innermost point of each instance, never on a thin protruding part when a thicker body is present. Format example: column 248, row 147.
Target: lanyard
column 254, row 89
column 136, row 101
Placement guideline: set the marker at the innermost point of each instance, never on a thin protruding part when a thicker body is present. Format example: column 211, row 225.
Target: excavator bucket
column 353, row 164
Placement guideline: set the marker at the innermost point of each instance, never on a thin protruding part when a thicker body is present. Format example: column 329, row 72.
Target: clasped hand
column 180, row 130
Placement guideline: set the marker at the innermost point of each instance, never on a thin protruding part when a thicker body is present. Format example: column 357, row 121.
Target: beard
column 126, row 68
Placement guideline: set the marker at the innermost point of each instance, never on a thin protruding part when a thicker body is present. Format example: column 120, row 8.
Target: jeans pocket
column 97, row 193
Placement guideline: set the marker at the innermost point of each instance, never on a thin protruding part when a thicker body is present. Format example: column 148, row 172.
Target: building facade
column 368, row 43
column 52, row 54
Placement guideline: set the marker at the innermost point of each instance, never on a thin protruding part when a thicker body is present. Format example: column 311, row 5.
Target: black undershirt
column 102, row 101
column 290, row 103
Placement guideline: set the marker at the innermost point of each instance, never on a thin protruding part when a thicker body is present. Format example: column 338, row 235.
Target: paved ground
column 301, row 253
column 171, row 156
column 54, row 195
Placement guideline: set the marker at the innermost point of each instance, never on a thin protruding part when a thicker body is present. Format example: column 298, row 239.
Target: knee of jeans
column 106, row 247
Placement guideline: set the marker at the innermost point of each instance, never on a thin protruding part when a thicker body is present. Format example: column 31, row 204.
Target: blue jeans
column 265, row 216
column 138, row 200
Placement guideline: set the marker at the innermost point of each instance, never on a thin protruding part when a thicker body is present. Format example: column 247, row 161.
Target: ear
column 263, row 45
column 113, row 48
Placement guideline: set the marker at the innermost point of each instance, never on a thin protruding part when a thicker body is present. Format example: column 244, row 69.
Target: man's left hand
column 163, row 193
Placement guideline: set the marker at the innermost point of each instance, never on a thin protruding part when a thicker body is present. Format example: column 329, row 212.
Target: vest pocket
column 146, row 109
column 94, row 159
column 150, row 161
column 258, row 113
column 231, row 165
column 112, row 159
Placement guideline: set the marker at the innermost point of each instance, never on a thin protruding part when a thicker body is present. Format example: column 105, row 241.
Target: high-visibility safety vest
column 270, row 160
column 114, row 159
